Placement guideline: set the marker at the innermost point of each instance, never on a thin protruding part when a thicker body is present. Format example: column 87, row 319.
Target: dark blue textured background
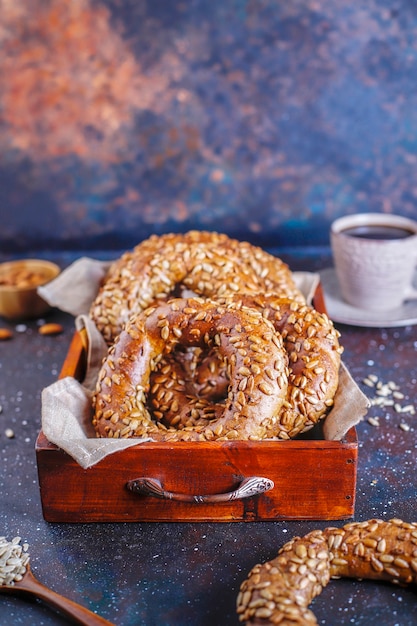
column 262, row 119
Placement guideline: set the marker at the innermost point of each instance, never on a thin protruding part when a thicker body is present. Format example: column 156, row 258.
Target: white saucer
column 339, row 311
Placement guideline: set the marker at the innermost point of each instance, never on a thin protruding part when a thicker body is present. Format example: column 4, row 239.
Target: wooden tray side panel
column 75, row 362
column 311, row 482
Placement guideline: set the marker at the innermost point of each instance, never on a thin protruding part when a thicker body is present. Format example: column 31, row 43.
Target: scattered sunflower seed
column 387, row 394
column 405, row 427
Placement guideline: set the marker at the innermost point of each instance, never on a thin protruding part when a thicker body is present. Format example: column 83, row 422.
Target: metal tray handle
column 252, row 486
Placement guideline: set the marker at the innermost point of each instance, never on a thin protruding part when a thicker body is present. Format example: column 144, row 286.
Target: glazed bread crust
column 204, row 263
column 182, row 358
column 279, row 591
column 243, row 338
column 314, row 356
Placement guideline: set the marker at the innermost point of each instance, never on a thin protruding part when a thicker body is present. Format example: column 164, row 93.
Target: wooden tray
column 306, row 478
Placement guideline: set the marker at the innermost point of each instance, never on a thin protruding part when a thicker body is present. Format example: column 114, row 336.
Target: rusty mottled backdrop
column 260, row 118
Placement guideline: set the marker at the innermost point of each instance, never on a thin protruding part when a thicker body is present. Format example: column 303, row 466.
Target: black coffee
column 374, row 231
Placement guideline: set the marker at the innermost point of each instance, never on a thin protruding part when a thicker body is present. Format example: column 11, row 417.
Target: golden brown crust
column 208, row 264
column 314, row 353
column 314, row 356
column 187, row 387
column 279, row 591
column 243, row 338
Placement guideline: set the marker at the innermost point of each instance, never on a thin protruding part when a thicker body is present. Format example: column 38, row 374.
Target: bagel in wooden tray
column 195, row 369
column 242, row 337
column 214, row 365
column 314, row 353
column 280, row 591
column 208, row 264
column 244, row 357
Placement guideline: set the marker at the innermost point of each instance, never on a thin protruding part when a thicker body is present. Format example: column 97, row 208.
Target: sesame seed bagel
column 121, row 401
column 206, row 263
column 279, row 591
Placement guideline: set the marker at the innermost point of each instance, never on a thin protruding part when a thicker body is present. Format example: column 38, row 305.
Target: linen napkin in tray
column 66, row 404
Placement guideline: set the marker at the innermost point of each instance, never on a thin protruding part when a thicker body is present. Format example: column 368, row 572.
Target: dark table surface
column 189, row 574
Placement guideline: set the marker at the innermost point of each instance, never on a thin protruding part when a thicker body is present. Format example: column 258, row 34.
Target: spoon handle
column 79, row 614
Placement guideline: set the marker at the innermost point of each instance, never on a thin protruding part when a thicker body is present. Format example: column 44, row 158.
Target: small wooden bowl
column 19, row 281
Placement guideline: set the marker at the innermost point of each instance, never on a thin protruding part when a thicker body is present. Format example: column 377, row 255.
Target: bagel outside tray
column 309, row 478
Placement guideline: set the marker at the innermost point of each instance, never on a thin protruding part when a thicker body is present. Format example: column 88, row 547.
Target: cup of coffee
column 375, row 257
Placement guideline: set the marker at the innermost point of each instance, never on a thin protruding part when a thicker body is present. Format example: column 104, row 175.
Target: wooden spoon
column 30, row 585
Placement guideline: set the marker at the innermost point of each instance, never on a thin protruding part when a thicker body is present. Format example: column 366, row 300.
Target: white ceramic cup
column 375, row 257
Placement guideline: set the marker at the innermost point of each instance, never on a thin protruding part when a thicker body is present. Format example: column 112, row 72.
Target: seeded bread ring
column 121, row 400
column 279, row 591
column 314, row 356
column 207, row 264
column 313, row 348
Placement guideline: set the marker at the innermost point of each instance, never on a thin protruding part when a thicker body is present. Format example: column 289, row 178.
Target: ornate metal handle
column 252, row 486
